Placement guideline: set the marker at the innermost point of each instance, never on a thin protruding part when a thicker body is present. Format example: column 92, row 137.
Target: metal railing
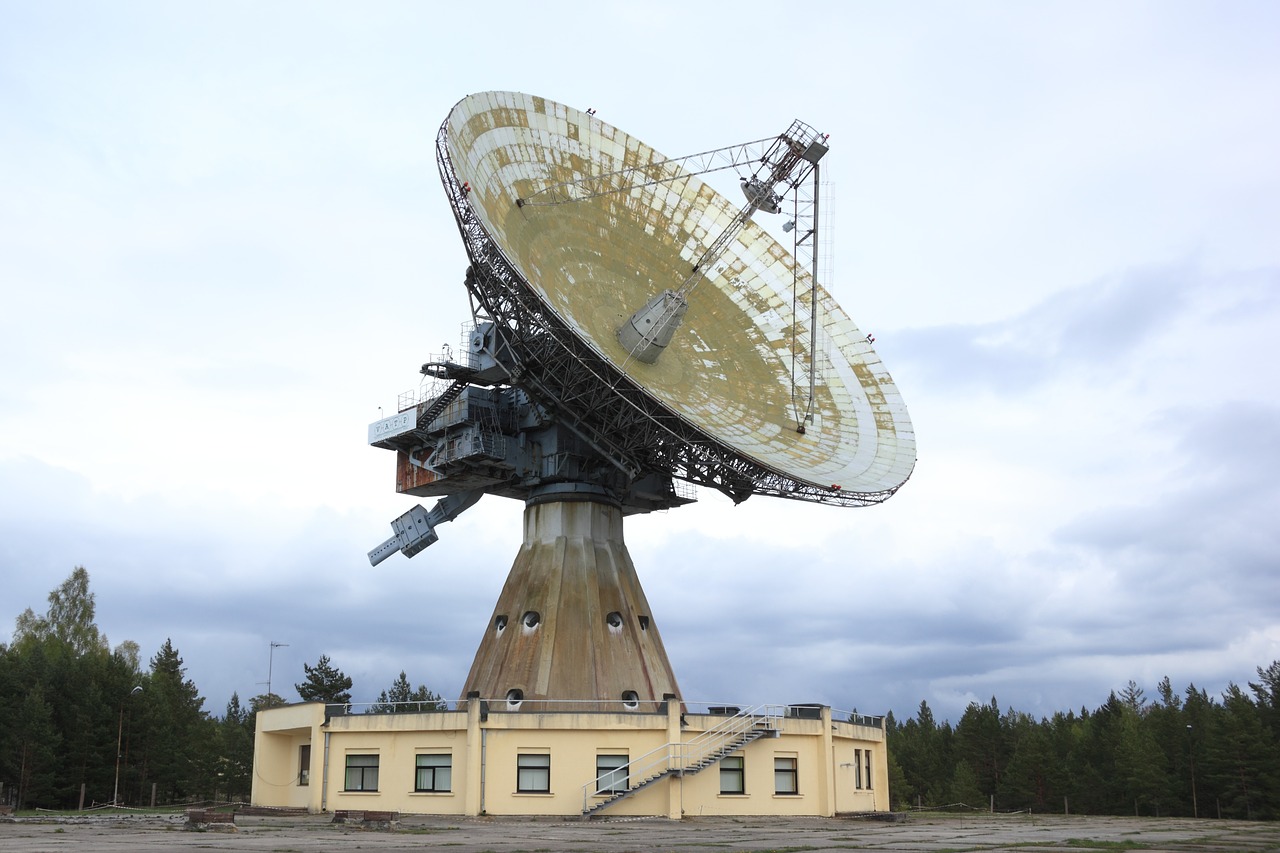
column 869, row 720
column 711, row 744
column 693, row 755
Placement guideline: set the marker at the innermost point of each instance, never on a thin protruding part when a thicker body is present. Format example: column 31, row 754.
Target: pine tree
column 402, row 699
column 235, row 744
column 1029, row 779
column 324, row 683
column 177, row 742
column 1267, row 693
column 1246, row 770
column 37, row 740
column 924, row 751
column 900, row 790
column 1138, row 761
column 980, row 743
column 964, row 788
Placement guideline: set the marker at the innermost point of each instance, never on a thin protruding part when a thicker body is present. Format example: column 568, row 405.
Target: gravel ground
column 927, row 833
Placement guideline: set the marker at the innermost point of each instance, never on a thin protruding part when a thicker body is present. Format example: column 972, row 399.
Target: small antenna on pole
column 271, row 659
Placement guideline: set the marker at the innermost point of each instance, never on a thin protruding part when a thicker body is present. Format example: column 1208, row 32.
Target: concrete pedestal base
column 572, row 622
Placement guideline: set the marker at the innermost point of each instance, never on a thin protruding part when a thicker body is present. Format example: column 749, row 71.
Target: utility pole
column 115, row 794
column 1191, row 751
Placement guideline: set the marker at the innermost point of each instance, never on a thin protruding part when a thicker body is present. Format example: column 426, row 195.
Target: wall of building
column 278, row 779
column 855, row 748
column 801, row 740
column 397, row 740
column 572, row 742
column 838, row 766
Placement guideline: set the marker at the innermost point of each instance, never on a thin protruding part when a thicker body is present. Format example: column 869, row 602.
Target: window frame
column 364, row 771
column 602, row 767
column 532, row 767
column 728, row 770
column 786, row 767
column 434, row 770
column 304, row 765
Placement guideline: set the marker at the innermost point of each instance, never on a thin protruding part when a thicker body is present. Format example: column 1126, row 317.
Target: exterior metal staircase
column 682, row 758
column 439, row 404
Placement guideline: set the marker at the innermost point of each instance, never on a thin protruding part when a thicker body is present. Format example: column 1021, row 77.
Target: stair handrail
column 655, row 762
column 686, row 755
column 714, row 740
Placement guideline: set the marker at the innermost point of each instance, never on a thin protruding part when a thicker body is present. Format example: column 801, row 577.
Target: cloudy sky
column 223, row 245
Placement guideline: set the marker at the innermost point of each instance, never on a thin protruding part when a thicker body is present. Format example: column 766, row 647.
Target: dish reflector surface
column 729, row 370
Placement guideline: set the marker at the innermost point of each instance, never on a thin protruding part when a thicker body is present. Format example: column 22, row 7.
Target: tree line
column 1187, row 754
column 84, row 724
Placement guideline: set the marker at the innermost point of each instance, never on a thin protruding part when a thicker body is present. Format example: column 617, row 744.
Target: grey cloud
column 1222, row 505
column 1092, row 326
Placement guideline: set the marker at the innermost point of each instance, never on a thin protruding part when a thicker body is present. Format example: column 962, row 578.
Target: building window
column 611, row 773
column 857, row 769
column 867, row 753
column 362, row 773
column 784, row 776
column 533, row 774
column 304, row 764
column 434, row 773
column 733, row 778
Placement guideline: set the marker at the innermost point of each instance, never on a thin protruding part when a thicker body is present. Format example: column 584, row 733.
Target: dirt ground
column 927, row 833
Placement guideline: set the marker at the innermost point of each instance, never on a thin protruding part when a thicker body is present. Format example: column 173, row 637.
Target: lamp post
column 1191, row 752
column 115, row 794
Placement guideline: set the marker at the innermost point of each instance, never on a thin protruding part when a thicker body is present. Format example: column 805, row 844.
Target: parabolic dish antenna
column 574, row 224
column 633, row 329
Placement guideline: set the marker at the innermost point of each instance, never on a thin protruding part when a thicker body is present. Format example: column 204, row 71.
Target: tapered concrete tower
column 572, row 622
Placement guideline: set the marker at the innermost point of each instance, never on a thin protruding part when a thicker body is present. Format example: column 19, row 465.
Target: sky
column 224, row 245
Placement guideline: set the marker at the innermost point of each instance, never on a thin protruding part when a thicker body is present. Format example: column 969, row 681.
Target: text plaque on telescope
column 390, row 427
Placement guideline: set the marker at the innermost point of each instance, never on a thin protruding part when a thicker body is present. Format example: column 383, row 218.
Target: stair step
column 738, row 738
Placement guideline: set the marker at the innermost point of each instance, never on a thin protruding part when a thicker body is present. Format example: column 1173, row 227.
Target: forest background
column 82, row 724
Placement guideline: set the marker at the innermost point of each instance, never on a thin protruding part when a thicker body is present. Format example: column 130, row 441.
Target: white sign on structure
column 396, row 424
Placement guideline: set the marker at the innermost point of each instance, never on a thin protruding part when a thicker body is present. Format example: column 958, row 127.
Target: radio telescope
column 634, row 332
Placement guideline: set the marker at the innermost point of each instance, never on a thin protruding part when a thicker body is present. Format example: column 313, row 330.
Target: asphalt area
column 936, row 833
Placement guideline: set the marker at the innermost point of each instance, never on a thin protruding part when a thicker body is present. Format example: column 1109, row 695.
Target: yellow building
column 492, row 758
